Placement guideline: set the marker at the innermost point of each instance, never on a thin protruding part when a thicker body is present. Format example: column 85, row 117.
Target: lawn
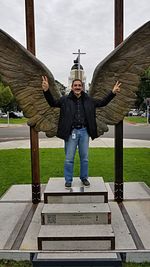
column 13, row 121
column 135, row 119
column 16, row 166
column 8, row 263
column 132, row 119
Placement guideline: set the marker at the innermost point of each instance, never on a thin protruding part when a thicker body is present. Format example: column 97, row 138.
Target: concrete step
column 95, row 213
column 77, row 259
column 55, row 191
column 76, row 237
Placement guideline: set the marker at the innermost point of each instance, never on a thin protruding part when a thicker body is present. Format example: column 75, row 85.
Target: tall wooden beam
column 34, row 141
column 118, row 185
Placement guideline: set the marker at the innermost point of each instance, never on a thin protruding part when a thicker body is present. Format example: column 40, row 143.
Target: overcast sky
column 64, row 26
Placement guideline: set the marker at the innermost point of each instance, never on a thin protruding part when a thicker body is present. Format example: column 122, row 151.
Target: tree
column 7, row 99
column 144, row 89
column 61, row 87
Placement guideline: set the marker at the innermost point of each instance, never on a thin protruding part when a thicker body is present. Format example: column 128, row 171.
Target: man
column 77, row 122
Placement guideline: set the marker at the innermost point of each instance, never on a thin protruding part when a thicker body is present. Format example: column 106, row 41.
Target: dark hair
column 77, row 80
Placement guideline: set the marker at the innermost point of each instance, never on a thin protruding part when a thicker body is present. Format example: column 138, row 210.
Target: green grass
column 9, row 263
column 133, row 119
column 13, row 121
column 144, row 264
column 136, row 119
column 15, row 165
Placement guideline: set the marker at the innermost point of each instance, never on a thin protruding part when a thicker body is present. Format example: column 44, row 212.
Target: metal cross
column 79, row 54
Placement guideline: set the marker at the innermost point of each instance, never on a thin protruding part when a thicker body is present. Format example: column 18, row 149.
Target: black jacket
column 67, row 111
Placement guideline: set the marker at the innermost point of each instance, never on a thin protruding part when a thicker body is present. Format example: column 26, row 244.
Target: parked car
column 15, row 115
column 140, row 112
column 19, row 114
column 144, row 114
column 133, row 112
column 3, row 115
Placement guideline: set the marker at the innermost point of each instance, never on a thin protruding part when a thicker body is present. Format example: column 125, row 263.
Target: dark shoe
column 68, row 184
column 86, row 182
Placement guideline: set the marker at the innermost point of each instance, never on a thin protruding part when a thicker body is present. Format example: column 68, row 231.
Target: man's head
column 77, row 87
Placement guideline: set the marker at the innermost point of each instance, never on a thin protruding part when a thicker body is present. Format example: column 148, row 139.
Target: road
column 131, row 131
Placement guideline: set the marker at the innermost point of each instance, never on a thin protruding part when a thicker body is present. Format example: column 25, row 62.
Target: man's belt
column 80, row 126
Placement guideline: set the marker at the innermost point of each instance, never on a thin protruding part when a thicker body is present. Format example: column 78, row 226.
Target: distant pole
column 118, row 186
column 79, row 54
column 30, row 35
column 148, row 112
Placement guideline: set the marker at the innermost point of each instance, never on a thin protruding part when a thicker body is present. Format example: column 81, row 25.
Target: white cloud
column 64, row 26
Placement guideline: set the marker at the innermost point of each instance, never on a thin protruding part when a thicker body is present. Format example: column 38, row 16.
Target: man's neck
column 78, row 96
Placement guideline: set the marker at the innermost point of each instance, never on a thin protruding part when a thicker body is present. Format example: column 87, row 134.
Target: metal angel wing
column 126, row 64
column 22, row 71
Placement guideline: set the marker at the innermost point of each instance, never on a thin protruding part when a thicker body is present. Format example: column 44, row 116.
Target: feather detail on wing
column 23, row 72
column 126, row 64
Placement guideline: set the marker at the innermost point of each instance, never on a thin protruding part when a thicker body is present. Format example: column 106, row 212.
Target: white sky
column 64, row 26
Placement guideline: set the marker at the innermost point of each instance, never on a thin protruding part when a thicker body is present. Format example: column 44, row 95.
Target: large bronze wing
column 22, row 71
column 126, row 64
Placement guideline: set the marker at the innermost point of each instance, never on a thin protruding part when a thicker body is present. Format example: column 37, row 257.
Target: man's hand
column 116, row 89
column 45, row 84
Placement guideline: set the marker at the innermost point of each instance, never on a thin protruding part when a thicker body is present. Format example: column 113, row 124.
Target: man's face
column 77, row 88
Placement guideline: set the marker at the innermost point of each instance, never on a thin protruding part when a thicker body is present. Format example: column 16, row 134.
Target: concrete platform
column 12, row 216
column 20, row 222
column 55, row 192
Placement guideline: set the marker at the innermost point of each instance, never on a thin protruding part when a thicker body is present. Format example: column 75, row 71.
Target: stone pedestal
column 76, row 219
column 56, row 192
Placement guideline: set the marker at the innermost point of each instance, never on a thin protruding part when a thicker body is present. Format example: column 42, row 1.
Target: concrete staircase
column 76, row 226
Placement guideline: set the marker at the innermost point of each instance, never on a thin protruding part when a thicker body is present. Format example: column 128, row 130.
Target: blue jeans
column 78, row 138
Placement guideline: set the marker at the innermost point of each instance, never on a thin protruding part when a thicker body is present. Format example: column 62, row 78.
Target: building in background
column 77, row 72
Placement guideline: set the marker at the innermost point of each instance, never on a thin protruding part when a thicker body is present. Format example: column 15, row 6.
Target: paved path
column 57, row 143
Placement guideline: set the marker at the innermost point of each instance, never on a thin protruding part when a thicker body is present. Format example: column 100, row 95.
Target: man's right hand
column 45, row 84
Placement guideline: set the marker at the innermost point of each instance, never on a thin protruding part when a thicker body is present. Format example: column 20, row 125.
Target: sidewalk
column 55, row 142
column 58, row 143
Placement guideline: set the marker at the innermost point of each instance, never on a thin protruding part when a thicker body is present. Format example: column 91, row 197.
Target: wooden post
column 118, row 186
column 30, row 35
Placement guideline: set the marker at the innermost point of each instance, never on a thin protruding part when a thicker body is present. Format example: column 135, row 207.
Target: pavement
column 55, row 142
